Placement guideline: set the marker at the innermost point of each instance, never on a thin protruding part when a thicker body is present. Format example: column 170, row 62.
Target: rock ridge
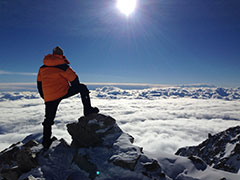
column 99, row 150
column 221, row 151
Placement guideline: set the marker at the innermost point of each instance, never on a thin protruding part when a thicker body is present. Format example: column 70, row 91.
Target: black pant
column 51, row 107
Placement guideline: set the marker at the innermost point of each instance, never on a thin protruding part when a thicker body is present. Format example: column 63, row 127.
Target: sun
column 126, row 6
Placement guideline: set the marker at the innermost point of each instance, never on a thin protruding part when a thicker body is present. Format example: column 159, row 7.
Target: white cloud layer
column 17, row 73
column 6, row 87
column 158, row 124
column 110, row 92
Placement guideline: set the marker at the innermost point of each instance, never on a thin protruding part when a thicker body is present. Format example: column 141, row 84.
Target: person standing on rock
column 56, row 81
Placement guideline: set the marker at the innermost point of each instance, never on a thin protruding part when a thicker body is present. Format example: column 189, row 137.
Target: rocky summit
column 99, row 150
column 220, row 151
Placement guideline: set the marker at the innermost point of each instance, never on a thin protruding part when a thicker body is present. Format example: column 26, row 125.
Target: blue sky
column 162, row 42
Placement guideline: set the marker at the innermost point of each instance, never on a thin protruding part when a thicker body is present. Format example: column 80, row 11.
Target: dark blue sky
column 162, row 42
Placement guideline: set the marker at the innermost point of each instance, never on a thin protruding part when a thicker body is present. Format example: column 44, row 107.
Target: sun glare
column 126, row 6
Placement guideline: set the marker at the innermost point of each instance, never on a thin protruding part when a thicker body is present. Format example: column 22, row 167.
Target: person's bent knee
column 83, row 89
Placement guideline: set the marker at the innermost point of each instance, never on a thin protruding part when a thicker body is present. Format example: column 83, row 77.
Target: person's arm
column 75, row 82
column 69, row 74
column 39, row 85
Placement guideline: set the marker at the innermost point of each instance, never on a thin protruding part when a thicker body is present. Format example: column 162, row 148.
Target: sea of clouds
column 160, row 119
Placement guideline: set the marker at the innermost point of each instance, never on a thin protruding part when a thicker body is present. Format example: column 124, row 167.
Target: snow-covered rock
column 104, row 147
column 18, row 159
column 94, row 130
column 221, row 151
column 113, row 156
column 192, row 168
column 99, row 150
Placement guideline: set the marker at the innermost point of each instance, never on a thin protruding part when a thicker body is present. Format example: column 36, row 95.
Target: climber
column 56, row 81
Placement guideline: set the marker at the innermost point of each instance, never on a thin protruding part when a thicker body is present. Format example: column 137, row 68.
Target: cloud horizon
column 2, row 72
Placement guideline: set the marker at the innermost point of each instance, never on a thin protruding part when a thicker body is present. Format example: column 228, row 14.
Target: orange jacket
column 54, row 77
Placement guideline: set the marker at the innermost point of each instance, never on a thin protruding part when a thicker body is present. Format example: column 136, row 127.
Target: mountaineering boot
column 47, row 132
column 87, row 108
column 90, row 110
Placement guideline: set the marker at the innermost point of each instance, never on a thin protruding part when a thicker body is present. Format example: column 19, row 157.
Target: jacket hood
column 54, row 60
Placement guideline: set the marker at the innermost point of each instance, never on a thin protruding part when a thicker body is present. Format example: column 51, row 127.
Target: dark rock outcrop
column 101, row 135
column 99, row 150
column 17, row 159
column 93, row 130
column 221, row 151
column 198, row 163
